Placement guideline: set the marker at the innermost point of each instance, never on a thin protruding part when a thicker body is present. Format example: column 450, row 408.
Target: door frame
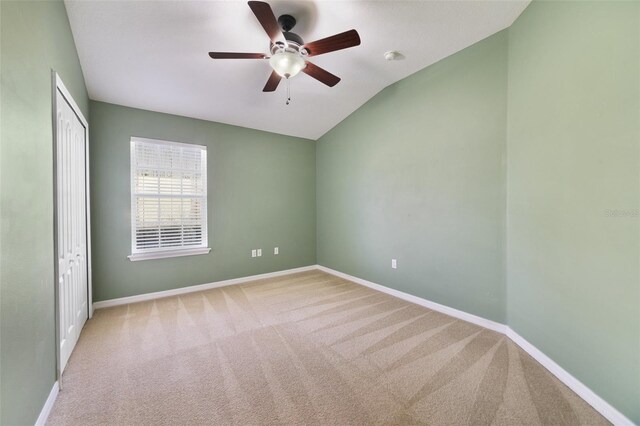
column 58, row 86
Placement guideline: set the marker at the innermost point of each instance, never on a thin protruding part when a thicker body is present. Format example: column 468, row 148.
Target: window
column 168, row 199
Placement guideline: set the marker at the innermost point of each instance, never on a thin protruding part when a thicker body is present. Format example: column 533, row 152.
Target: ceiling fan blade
column 272, row 83
column 234, row 55
column 321, row 75
column 336, row 42
column 267, row 19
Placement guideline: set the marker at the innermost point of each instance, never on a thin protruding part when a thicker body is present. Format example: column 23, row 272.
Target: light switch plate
column 259, row 252
column 253, row 253
column 394, row 263
column 276, row 250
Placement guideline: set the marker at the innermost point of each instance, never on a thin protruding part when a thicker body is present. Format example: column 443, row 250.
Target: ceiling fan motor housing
column 292, row 37
column 287, row 22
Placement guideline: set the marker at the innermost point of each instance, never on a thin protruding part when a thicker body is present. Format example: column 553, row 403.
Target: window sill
column 168, row 253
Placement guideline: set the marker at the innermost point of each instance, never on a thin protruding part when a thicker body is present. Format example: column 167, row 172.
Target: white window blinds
column 168, row 199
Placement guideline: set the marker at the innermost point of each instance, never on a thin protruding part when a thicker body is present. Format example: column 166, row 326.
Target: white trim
column 88, row 213
column 599, row 404
column 48, row 405
column 194, row 288
column 474, row 319
column 589, row 396
column 167, row 253
column 63, row 89
column 164, row 252
column 166, row 142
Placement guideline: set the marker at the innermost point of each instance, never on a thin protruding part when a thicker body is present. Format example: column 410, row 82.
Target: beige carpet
column 310, row 349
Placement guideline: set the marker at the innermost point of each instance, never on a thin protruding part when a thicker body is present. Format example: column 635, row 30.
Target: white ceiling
column 154, row 54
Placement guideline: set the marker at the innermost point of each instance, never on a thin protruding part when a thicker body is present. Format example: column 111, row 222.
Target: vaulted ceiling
column 154, row 54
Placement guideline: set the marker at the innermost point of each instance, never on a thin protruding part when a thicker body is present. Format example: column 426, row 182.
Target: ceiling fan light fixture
column 287, row 64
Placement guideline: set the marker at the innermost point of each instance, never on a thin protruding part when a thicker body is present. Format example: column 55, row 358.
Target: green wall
column 417, row 174
column 573, row 135
column 35, row 38
column 261, row 194
column 505, row 179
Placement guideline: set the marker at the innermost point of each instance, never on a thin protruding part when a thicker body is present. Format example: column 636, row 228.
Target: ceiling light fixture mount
column 286, row 22
column 393, row 55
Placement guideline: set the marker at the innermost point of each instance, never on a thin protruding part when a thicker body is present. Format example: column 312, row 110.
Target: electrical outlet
column 253, row 253
column 259, row 252
column 276, row 250
column 394, row 263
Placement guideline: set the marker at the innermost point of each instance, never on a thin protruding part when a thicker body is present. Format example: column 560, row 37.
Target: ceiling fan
column 289, row 57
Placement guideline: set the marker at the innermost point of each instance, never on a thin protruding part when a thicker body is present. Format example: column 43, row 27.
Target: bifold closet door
column 71, row 226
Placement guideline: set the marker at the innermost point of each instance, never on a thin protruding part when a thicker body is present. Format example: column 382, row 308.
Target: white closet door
column 71, row 227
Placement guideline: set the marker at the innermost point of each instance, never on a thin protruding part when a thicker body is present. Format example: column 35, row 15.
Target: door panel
column 71, row 227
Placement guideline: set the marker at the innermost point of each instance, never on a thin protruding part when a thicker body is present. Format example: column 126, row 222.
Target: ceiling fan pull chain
column 288, row 92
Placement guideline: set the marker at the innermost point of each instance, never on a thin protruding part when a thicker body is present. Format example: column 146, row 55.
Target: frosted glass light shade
column 287, row 64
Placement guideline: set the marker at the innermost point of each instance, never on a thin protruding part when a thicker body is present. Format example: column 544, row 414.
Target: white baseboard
column 48, row 405
column 194, row 288
column 474, row 319
column 599, row 404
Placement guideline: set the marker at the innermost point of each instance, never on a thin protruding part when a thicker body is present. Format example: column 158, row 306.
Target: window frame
column 163, row 252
